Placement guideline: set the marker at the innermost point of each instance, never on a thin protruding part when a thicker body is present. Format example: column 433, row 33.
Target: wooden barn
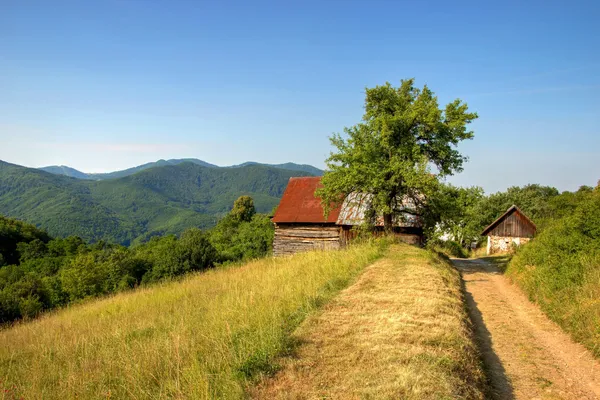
column 512, row 227
column 301, row 226
column 299, row 221
column 407, row 227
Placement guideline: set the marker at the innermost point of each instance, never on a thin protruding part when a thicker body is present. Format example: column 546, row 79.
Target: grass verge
column 565, row 282
column 203, row 337
column 401, row 331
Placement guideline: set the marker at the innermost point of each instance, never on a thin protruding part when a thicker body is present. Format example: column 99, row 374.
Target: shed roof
column 508, row 212
column 299, row 204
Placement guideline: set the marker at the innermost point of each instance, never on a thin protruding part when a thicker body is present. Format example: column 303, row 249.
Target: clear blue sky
column 106, row 85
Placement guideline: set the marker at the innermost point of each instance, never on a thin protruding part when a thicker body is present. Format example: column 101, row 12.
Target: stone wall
column 504, row 244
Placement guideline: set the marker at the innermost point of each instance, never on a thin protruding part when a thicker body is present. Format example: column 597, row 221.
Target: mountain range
column 133, row 205
column 72, row 172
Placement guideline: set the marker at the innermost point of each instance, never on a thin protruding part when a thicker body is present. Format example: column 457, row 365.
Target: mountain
column 290, row 166
column 159, row 200
column 68, row 171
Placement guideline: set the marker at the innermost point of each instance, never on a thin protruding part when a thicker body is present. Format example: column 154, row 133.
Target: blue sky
column 106, row 85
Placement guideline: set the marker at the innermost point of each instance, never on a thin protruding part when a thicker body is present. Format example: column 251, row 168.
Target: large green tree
column 403, row 145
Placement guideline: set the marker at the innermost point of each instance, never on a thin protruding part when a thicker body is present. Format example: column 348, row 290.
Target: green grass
column 560, row 270
column 207, row 336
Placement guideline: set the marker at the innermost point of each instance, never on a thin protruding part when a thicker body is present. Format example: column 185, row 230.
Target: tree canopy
column 403, row 145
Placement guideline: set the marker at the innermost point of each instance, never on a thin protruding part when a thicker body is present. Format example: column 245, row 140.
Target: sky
column 107, row 85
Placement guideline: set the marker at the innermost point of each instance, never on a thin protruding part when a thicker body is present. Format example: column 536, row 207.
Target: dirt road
column 527, row 356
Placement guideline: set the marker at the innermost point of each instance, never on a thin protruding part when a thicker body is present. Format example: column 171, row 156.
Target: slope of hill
column 68, row 171
column 212, row 334
column 158, row 200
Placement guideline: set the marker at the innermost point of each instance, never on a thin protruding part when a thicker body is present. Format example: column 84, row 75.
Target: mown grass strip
column 401, row 331
column 204, row 337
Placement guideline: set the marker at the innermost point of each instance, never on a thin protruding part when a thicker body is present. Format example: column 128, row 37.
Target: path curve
column 526, row 355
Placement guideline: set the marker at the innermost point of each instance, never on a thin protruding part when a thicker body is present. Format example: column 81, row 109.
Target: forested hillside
column 155, row 201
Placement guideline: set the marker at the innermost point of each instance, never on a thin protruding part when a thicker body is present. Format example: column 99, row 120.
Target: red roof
column 300, row 205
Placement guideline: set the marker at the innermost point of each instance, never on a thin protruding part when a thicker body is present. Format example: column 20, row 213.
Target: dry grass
column 204, row 337
column 400, row 332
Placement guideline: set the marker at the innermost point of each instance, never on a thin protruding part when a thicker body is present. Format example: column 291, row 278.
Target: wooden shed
column 512, row 227
column 300, row 224
column 299, row 221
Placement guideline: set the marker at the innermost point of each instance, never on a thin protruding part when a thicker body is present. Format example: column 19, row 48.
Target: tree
column 455, row 213
column 390, row 153
column 243, row 209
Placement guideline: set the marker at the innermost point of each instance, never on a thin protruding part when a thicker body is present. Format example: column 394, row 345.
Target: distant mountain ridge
column 72, row 172
column 161, row 200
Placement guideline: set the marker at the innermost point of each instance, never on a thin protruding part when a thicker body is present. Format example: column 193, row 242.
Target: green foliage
column 51, row 273
column 130, row 210
column 171, row 257
column 534, row 200
column 243, row 209
column 461, row 214
column 453, row 212
column 13, row 232
column 560, row 268
column 389, row 153
column 245, row 238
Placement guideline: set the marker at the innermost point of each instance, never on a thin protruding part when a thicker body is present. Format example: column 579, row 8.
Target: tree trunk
column 388, row 223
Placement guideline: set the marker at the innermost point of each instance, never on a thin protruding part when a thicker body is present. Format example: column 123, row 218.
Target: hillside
column 158, row 200
column 560, row 268
column 212, row 334
column 72, row 172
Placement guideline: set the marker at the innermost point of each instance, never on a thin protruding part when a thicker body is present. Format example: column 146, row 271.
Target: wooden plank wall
column 513, row 225
column 291, row 239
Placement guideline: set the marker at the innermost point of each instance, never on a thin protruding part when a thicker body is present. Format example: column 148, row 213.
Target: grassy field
column 207, row 336
column 400, row 332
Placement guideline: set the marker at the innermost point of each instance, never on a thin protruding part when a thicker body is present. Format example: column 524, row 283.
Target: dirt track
column 527, row 356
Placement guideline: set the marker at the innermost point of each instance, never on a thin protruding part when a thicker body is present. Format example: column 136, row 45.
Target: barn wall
column 504, row 244
column 514, row 225
column 294, row 238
